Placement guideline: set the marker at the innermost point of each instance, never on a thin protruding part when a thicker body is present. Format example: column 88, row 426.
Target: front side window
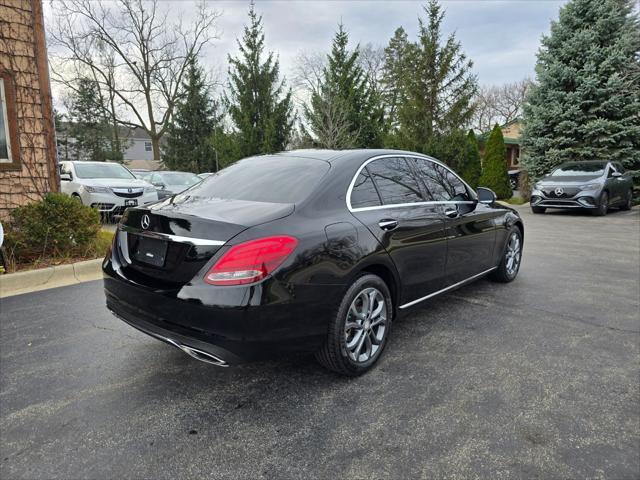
column 102, row 170
column 364, row 193
column 396, row 181
column 441, row 184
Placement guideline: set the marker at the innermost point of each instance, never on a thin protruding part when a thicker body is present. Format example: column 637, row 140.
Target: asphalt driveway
column 535, row 379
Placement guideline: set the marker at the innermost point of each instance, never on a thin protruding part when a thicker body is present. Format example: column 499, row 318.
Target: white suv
column 109, row 187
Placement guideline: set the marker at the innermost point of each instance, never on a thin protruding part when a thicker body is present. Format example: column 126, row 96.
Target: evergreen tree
column 88, row 131
column 345, row 111
column 189, row 146
column 586, row 102
column 259, row 106
column 494, row 165
column 471, row 168
column 436, row 85
column 394, row 73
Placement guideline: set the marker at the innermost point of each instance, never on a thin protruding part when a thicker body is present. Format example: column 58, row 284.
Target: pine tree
column 88, row 128
column 494, row 165
column 344, row 111
column 189, row 146
column 394, row 73
column 586, row 102
column 437, row 85
column 258, row 104
column 471, row 168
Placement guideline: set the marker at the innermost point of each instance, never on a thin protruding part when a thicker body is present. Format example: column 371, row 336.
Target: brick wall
column 23, row 59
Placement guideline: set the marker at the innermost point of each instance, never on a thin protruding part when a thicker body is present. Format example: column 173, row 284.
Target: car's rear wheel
column 628, row 201
column 511, row 258
column 359, row 331
column 603, row 205
column 538, row 209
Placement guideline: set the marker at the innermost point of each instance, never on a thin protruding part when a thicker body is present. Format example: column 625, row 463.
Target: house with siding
column 27, row 135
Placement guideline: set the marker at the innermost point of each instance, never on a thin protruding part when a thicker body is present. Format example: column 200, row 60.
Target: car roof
column 345, row 156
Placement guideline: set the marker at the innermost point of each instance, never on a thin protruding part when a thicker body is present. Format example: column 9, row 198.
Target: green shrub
column 472, row 169
column 56, row 226
column 494, row 167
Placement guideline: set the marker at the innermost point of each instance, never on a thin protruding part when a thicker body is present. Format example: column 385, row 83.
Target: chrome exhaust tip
column 205, row 357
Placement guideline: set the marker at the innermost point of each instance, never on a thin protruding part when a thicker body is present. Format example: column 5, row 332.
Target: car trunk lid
column 166, row 244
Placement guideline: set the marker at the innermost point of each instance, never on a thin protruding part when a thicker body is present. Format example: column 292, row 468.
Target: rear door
column 388, row 198
column 470, row 226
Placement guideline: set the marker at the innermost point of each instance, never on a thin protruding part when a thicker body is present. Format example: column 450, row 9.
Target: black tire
column 503, row 274
column 538, row 209
column 603, row 206
column 333, row 355
column 77, row 197
column 629, row 201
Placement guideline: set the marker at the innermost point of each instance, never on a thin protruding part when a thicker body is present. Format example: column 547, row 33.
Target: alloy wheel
column 366, row 325
column 513, row 254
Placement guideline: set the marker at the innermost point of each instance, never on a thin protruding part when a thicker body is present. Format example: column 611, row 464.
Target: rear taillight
column 251, row 261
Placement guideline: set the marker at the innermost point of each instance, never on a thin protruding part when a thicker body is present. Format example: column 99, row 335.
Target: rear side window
column 395, row 181
column 364, row 193
column 270, row 179
column 441, row 184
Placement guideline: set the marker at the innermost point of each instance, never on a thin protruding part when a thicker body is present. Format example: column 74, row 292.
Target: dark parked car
column 594, row 185
column 514, row 179
column 170, row 183
column 313, row 251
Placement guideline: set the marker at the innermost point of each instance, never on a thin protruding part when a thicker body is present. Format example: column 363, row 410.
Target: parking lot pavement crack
column 112, row 330
column 489, row 304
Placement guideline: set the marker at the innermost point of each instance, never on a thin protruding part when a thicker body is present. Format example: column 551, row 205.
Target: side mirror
column 486, row 196
column 616, row 174
column 65, row 177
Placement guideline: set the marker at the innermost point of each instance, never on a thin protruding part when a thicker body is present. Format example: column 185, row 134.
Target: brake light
column 251, row 261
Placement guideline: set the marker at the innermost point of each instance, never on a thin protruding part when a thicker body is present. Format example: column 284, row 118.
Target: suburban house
column 27, row 135
column 138, row 152
column 512, row 132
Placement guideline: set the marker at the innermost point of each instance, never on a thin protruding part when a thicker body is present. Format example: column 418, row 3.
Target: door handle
column 451, row 212
column 388, row 224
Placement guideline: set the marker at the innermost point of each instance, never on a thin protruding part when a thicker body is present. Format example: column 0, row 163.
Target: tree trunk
column 155, row 143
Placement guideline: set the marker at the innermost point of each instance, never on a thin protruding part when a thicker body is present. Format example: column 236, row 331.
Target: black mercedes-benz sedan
column 308, row 250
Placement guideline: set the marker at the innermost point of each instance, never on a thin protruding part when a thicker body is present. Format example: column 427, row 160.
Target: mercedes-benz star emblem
column 145, row 222
column 130, row 190
column 559, row 191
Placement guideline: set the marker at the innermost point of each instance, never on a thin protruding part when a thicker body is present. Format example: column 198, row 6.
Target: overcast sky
column 501, row 37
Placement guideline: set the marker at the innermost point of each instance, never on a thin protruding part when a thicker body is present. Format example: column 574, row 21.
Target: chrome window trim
column 171, row 238
column 402, row 205
column 446, row 289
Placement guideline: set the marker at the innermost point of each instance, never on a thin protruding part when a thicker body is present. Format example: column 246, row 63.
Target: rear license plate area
column 150, row 251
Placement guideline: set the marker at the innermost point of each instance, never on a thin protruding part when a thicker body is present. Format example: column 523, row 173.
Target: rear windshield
column 264, row 179
column 102, row 170
column 577, row 169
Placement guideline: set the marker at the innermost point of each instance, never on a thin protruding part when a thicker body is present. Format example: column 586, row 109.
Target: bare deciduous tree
column 499, row 104
column 135, row 53
column 330, row 124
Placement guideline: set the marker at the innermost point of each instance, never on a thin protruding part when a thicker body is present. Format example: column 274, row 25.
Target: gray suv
column 593, row 185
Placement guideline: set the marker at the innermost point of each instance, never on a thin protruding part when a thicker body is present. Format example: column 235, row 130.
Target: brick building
column 27, row 136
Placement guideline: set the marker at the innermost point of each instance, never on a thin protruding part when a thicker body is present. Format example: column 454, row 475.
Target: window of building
column 9, row 150
column 148, row 147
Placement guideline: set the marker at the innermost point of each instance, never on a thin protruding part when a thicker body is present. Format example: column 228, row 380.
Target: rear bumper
column 234, row 324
